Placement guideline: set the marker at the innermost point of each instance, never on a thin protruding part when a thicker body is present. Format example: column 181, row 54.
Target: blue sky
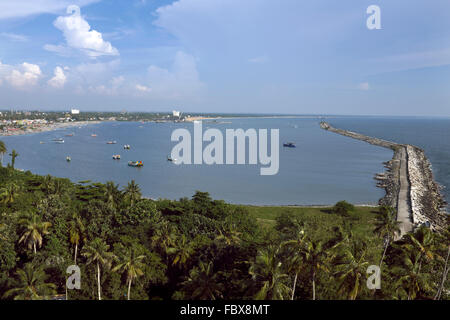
column 252, row 56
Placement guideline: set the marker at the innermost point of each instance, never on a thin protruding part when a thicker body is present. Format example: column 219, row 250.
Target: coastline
column 408, row 182
column 48, row 127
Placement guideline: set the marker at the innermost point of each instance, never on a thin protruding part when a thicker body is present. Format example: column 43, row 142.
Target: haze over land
column 226, row 56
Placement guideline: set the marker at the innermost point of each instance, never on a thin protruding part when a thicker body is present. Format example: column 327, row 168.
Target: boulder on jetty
column 426, row 203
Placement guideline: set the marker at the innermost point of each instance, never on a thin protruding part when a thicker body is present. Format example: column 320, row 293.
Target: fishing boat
column 111, row 142
column 127, row 146
column 289, row 145
column 135, row 163
column 116, row 156
column 68, row 159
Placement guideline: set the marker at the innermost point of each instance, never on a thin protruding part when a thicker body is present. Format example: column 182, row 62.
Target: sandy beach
column 46, row 127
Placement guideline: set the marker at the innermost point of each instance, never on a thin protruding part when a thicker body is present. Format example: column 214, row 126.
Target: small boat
column 289, row 145
column 93, row 135
column 69, row 135
column 171, row 159
column 68, row 159
column 58, row 139
column 116, row 156
column 41, row 142
column 111, row 142
column 135, row 163
column 127, row 146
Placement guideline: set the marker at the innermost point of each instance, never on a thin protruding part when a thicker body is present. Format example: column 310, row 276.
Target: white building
column 74, row 111
column 176, row 113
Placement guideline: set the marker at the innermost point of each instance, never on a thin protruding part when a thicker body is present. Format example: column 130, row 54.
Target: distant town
column 14, row 122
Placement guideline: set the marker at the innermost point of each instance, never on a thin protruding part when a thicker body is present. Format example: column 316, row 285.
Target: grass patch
column 320, row 220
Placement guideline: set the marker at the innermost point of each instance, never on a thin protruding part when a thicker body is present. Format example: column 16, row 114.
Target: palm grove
column 129, row 247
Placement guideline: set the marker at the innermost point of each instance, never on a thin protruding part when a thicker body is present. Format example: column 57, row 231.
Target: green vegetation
column 129, row 247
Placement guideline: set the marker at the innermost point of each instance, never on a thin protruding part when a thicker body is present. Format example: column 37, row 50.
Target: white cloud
column 59, row 49
column 364, row 86
column 94, row 73
column 23, row 8
column 14, row 37
column 113, row 87
column 142, row 88
column 181, row 81
column 23, row 76
column 59, row 78
column 78, row 35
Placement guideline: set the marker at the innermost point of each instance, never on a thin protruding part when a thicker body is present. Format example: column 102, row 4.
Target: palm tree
column 97, row 252
column 229, row 234
column 133, row 266
column 202, row 282
column 9, row 192
column 316, row 257
column 182, row 251
column 32, row 285
column 58, row 187
column 296, row 261
column 2, row 152
column 446, row 241
column 34, row 231
column 164, row 238
column 13, row 155
column 2, row 229
column 76, row 233
column 47, row 184
column 268, row 270
column 111, row 192
column 412, row 281
column 387, row 227
column 422, row 242
column 133, row 192
column 351, row 268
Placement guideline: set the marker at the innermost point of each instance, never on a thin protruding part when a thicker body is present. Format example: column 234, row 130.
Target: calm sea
column 430, row 134
column 323, row 169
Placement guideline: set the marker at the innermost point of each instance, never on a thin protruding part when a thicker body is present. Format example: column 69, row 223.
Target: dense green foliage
column 128, row 246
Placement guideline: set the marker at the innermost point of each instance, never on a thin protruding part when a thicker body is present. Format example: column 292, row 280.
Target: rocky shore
column 409, row 184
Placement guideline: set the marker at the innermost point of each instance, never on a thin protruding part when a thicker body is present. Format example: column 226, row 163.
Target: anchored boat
column 116, row 156
column 289, row 145
column 127, row 146
column 135, row 163
column 111, row 142
column 68, row 159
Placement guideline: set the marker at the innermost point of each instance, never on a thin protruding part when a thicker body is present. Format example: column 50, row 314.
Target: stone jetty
column 409, row 184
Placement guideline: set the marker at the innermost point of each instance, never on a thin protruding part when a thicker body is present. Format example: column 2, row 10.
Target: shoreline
column 408, row 182
column 48, row 127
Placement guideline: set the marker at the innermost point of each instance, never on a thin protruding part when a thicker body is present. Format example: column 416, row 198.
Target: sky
column 226, row 56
